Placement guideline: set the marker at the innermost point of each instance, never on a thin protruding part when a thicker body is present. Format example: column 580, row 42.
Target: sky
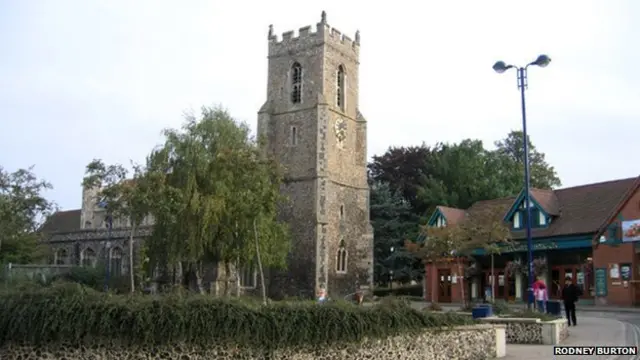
column 85, row 79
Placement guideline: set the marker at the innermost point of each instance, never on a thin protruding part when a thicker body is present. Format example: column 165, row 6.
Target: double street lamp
column 500, row 67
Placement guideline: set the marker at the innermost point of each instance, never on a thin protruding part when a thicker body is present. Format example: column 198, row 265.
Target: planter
column 482, row 311
column 554, row 308
column 532, row 331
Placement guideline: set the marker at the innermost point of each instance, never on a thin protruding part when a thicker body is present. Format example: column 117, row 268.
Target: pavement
column 597, row 325
column 520, row 306
column 591, row 330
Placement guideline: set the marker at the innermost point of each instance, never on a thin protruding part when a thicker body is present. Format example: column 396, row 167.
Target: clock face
column 341, row 130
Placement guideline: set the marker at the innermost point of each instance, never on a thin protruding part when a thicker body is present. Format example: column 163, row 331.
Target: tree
column 124, row 198
column 393, row 222
column 440, row 244
column 23, row 208
column 213, row 191
column 482, row 228
column 405, row 169
column 460, row 174
column 543, row 175
column 485, row 228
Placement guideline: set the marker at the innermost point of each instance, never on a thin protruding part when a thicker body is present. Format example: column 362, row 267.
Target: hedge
column 412, row 290
column 78, row 315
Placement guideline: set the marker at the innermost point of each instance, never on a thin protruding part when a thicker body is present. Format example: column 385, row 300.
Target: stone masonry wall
column 464, row 343
column 527, row 332
column 326, row 175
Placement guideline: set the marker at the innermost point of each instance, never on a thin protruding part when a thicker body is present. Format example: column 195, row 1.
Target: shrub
column 95, row 279
column 411, row 290
column 468, row 307
column 434, row 307
column 75, row 314
column 500, row 307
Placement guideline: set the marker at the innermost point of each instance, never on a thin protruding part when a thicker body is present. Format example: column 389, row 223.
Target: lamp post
column 391, row 250
column 500, row 67
column 108, row 250
column 107, row 246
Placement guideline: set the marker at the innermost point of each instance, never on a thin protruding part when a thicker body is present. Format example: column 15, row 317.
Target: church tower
column 313, row 126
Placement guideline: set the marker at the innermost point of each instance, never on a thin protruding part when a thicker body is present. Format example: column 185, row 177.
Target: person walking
column 570, row 295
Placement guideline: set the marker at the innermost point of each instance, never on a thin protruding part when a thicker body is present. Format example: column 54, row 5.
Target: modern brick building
column 589, row 233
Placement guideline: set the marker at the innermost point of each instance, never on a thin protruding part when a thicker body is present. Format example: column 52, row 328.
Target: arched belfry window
column 340, row 88
column 341, row 258
column 296, row 83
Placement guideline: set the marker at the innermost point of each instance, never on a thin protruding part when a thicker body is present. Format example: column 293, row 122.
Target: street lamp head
column 501, row 67
column 542, row 61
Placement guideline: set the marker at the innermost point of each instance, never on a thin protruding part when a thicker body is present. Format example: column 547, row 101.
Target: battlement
column 307, row 38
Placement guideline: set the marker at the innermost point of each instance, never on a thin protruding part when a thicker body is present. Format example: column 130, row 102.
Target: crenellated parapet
column 306, row 38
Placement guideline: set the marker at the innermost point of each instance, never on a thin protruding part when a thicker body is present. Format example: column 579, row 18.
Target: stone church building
column 313, row 126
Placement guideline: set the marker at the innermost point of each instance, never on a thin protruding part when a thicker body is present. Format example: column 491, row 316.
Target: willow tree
column 211, row 185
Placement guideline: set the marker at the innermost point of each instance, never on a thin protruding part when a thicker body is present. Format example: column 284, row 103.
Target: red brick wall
column 432, row 282
column 604, row 255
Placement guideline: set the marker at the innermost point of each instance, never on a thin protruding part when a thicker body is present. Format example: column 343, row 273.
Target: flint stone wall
column 532, row 331
column 479, row 342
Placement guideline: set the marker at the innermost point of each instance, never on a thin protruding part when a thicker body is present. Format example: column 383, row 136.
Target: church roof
column 62, row 221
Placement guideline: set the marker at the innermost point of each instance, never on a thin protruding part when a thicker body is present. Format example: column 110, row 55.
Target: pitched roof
column 576, row 210
column 630, row 192
column 453, row 215
column 62, row 221
column 548, row 200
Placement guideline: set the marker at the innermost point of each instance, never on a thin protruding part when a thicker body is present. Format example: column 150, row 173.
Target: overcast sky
column 84, row 79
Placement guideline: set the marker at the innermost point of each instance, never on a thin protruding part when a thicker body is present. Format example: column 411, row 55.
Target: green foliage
column 77, row 315
column 543, row 175
column 393, row 222
column 413, row 290
column 406, row 169
column 211, row 184
column 500, row 307
column 94, row 278
column 461, row 174
column 22, row 209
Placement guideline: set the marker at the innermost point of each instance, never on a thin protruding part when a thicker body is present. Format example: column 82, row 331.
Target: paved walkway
column 590, row 331
column 579, row 307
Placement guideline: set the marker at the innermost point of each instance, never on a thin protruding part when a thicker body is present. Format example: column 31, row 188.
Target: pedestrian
column 570, row 295
column 358, row 296
column 322, row 295
column 541, row 295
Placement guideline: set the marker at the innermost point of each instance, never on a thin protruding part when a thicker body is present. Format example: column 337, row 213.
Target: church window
column 294, row 136
column 248, row 276
column 341, row 212
column 88, row 257
column 115, row 261
column 61, row 257
column 296, row 83
column 340, row 96
column 341, row 259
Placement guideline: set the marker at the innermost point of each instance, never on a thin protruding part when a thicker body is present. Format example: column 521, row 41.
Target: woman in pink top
column 540, row 293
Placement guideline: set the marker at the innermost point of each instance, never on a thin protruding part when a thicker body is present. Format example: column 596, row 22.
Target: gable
column 519, row 204
column 437, row 218
column 444, row 215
